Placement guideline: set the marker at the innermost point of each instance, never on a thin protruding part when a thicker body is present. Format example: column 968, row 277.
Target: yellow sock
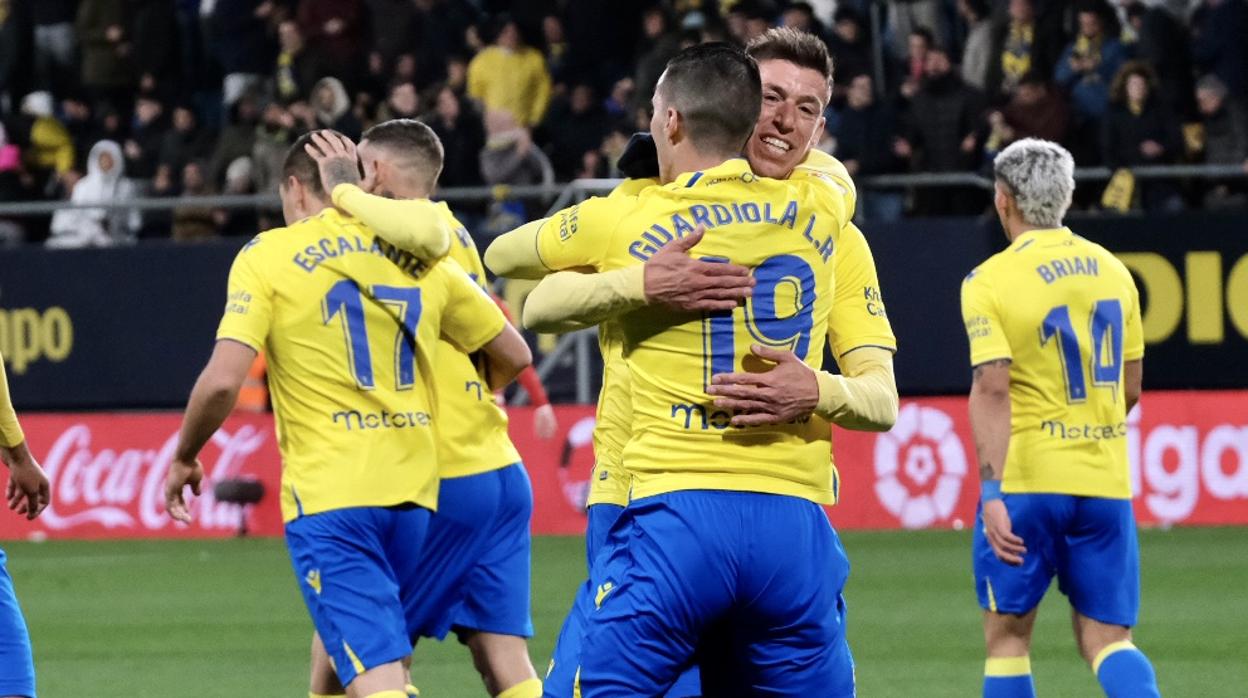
column 326, row 695
column 412, row 691
column 388, row 694
column 531, row 688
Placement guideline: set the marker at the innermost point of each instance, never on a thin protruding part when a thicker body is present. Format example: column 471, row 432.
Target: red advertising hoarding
column 1189, row 458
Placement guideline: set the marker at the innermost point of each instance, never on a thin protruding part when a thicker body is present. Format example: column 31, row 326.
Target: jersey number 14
column 1106, row 328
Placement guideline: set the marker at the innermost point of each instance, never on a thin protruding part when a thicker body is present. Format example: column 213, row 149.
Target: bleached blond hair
column 1041, row 176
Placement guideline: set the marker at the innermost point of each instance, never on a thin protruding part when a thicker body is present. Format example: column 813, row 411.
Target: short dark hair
column 716, row 88
column 415, row 146
column 301, row 166
column 797, row 47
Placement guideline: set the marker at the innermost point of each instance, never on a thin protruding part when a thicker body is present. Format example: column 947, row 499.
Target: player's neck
column 690, row 160
column 1018, row 229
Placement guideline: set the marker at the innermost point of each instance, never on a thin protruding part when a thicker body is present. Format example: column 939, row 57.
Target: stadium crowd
column 120, row 98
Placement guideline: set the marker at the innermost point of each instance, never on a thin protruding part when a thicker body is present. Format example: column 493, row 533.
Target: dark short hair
column 928, row 37
column 797, row 47
column 415, row 146
column 301, row 166
column 716, row 89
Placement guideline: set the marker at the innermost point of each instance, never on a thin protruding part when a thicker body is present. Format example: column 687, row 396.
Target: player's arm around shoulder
column 417, row 226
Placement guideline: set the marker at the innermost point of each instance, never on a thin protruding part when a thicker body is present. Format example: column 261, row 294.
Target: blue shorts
column 1089, row 543
column 356, row 569
column 477, row 558
column 746, row 585
column 17, row 664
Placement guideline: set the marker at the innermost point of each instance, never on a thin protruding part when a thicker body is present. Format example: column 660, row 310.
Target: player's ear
column 673, row 125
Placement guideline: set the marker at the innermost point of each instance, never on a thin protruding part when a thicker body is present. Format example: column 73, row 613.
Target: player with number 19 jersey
column 1066, row 313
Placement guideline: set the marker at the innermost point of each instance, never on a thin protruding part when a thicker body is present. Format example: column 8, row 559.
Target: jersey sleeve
column 470, row 319
column 983, row 320
column 579, row 236
column 417, row 226
column 858, row 318
column 249, row 302
column 821, row 167
column 1133, row 333
column 10, row 430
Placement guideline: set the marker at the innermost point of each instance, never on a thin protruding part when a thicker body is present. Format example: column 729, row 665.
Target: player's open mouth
column 776, row 145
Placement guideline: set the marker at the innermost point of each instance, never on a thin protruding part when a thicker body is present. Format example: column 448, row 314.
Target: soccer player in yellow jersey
column 27, row 494
column 476, row 556
column 1057, row 351
column 665, row 585
column 796, row 74
column 352, row 340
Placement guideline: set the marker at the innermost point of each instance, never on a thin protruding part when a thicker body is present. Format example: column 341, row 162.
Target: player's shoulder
column 632, row 188
column 982, row 274
column 1102, row 255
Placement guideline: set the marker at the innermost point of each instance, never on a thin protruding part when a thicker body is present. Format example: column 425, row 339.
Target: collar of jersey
column 728, row 168
column 1040, row 233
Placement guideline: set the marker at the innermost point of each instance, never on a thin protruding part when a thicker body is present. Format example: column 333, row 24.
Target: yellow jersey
column 472, row 428
column 350, row 339
column 1066, row 313
column 789, row 233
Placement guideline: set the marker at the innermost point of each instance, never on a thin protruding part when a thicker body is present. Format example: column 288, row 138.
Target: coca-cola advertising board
column 1188, row 451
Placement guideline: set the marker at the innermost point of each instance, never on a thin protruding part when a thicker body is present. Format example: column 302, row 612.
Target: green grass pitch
column 224, row 619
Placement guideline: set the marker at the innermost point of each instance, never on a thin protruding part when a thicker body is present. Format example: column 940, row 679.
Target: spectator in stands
column 10, row 51
column 298, row 66
column 332, row 108
column 850, row 46
column 658, row 44
column 237, row 138
column 55, row 44
column 186, row 141
column 459, row 128
column 154, row 26
column 909, row 16
column 239, row 40
column 403, row 102
column 1155, row 36
column 977, row 51
column 49, row 149
column 238, row 182
column 1220, row 46
column 97, row 227
column 864, row 142
column 103, row 30
column 1022, row 42
column 919, row 46
column 509, row 156
column 192, row 221
column 509, row 76
column 457, row 74
column 271, row 140
column 556, row 48
column 147, row 134
column 574, row 127
column 801, row 16
column 1085, row 71
column 1036, row 110
column 335, row 28
column 393, row 24
column 11, row 188
column 1141, row 130
column 942, row 127
column 1225, row 125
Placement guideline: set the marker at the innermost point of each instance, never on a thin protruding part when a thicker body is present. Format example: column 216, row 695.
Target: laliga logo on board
column 110, row 488
column 919, row 466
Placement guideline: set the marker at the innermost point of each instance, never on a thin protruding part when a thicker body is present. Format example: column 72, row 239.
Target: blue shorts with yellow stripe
column 745, row 585
column 1088, row 543
column 357, row 568
column 477, row 558
column 17, row 666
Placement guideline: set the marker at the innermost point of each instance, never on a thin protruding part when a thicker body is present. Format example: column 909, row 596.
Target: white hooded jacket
column 97, row 227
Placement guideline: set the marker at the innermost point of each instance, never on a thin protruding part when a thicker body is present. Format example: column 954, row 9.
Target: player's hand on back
column 336, row 159
column 786, row 391
column 675, row 279
column 1007, row 546
column 28, row 491
column 181, row 474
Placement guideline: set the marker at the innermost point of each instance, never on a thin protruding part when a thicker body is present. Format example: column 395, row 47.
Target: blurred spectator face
column 289, row 37
column 755, row 27
column 798, row 18
column 76, row 110
column 106, row 161
column 654, row 24
column 552, row 29
column 582, row 99
column 405, row 67
column 917, row 45
column 184, row 119
column 1030, row 93
column 248, row 110
column 736, row 26
column 1209, row 101
column 791, row 118
column 848, row 30
column 147, row 110
column 456, row 73
column 325, row 98
column 937, row 64
column 1022, row 11
column 860, row 95
column 641, row 119
column 1089, row 25
column 509, row 36
column 1137, row 89
column 448, row 105
column 192, row 178
column 403, row 99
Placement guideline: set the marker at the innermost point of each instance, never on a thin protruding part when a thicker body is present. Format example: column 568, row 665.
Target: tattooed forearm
column 340, row 171
column 987, row 472
column 979, row 370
